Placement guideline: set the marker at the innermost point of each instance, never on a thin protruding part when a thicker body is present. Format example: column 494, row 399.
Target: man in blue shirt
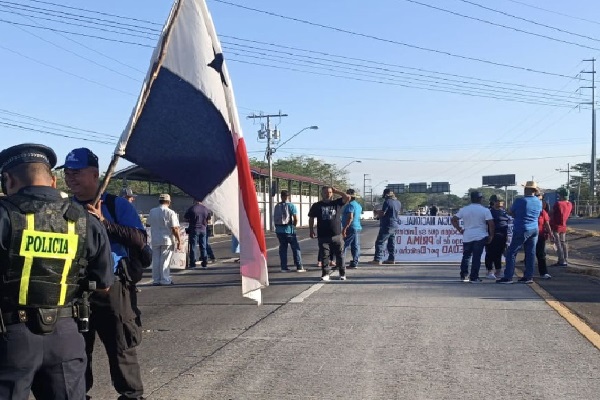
column 525, row 211
column 351, row 228
column 115, row 317
column 286, row 232
column 388, row 223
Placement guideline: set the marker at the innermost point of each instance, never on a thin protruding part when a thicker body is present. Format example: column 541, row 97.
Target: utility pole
column 593, row 163
column 365, row 180
column 272, row 136
column 568, row 171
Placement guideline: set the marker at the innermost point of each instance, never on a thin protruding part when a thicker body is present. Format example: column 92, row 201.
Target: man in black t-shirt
column 328, row 213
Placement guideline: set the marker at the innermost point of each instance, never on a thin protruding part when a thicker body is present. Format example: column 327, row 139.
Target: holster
column 38, row 320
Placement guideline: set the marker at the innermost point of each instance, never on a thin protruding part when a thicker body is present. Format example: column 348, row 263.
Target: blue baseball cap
column 79, row 159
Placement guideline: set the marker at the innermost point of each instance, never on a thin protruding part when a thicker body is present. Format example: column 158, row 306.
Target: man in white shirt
column 477, row 231
column 164, row 225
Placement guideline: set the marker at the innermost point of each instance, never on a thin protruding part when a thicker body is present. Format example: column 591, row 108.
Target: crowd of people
column 534, row 223
column 338, row 229
column 71, row 264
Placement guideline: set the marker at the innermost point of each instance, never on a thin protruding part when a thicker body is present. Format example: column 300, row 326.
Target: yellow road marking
column 577, row 323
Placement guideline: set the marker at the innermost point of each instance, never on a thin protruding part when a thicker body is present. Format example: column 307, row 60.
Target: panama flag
column 185, row 128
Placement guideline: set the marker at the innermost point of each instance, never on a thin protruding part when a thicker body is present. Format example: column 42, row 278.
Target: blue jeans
column 472, row 249
column 528, row 240
column 292, row 240
column 352, row 241
column 387, row 235
column 199, row 239
column 209, row 250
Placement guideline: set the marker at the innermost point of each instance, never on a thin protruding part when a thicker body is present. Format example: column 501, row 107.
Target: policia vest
column 45, row 258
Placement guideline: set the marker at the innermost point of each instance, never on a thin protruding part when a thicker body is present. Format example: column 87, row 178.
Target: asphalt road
column 389, row 332
column 592, row 224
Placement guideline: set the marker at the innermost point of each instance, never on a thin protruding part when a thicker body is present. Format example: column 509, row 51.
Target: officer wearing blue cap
column 50, row 249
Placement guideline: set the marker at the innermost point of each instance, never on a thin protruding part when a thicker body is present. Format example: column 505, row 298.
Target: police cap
column 26, row 153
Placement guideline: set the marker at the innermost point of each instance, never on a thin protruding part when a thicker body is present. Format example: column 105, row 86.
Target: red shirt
column 560, row 213
column 541, row 222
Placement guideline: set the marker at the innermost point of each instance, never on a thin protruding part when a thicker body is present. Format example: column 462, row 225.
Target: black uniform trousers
column 116, row 320
column 50, row 366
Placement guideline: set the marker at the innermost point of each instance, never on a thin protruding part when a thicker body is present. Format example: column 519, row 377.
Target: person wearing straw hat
column 525, row 211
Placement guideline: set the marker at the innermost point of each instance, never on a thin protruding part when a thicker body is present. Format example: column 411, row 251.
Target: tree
column 582, row 182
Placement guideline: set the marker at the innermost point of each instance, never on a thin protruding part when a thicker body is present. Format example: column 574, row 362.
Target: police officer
column 50, row 249
column 116, row 318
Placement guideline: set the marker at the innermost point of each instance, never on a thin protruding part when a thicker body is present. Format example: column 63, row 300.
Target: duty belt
column 24, row 315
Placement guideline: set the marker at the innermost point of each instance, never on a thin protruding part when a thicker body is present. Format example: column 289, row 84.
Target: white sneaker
column 491, row 276
column 546, row 276
column 325, row 278
column 343, row 278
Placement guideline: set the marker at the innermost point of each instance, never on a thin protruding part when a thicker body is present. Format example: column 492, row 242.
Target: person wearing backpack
column 285, row 217
column 115, row 317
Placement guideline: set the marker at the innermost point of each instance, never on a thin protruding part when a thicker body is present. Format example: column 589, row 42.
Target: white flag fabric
column 185, row 128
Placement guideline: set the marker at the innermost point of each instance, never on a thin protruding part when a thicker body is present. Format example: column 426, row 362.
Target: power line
column 89, row 26
column 453, row 145
column 554, row 12
column 438, row 160
column 380, row 39
column 24, row 128
column 535, row 136
column 529, row 20
column 78, row 17
column 385, row 72
column 474, row 90
column 79, row 55
column 379, row 63
column 396, row 84
column 77, row 33
column 97, row 12
column 375, row 62
column 96, row 51
column 86, row 131
column 500, row 25
column 67, row 72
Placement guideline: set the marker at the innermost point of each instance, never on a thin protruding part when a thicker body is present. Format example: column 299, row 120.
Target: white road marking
column 304, row 295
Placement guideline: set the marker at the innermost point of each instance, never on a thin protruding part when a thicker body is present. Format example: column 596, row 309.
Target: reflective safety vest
column 45, row 259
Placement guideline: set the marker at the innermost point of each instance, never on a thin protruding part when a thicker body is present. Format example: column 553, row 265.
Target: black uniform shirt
column 97, row 247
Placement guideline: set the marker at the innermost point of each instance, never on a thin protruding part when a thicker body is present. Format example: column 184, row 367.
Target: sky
column 414, row 93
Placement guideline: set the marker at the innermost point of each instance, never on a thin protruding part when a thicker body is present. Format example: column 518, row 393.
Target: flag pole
column 145, row 92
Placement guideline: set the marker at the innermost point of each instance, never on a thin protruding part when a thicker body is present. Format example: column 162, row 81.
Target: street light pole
column 269, row 154
column 296, row 134
column 344, row 167
column 384, row 181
